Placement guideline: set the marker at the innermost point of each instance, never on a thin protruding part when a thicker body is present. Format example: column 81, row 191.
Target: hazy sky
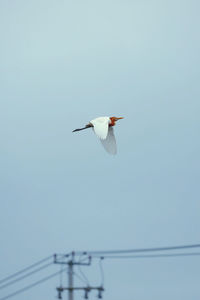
column 63, row 63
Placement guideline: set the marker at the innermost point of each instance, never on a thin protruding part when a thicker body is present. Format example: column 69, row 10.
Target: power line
column 80, row 278
column 26, row 275
column 81, row 272
column 168, row 248
column 106, row 254
column 31, row 285
column 147, row 256
column 25, row 269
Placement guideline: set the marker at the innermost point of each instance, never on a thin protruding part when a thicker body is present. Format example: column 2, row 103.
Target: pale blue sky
column 63, row 63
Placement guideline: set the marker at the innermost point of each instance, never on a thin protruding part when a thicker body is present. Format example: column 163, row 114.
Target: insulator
column 59, row 295
column 60, row 290
column 86, row 294
column 100, row 294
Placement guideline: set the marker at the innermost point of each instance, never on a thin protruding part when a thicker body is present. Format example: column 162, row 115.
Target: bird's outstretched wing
column 109, row 143
column 100, row 126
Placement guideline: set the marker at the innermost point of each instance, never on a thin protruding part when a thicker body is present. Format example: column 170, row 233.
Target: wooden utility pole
column 70, row 281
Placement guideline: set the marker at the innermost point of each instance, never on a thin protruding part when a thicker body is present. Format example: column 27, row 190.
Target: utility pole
column 70, row 281
column 70, row 260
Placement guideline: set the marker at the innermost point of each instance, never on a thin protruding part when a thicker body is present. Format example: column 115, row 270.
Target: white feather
column 100, row 126
column 109, row 143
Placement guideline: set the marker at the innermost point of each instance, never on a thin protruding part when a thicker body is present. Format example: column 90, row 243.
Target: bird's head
column 114, row 120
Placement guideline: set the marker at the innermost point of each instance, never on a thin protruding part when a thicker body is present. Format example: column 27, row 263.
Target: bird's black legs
column 87, row 126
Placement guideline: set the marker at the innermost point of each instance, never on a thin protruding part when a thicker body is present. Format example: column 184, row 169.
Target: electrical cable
column 84, row 259
column 81, row 272
column 80, row 278
column 61, row 271
column 168, row 248
column 148, row 256
column 25, row 269
column 108, row 254
column 26, row 275
column 57, row 257
column 30, row 286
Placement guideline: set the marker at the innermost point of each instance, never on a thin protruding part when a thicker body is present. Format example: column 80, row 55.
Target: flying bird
column 103, row 128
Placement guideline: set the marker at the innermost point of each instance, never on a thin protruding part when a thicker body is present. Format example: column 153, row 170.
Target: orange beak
column 119, row 118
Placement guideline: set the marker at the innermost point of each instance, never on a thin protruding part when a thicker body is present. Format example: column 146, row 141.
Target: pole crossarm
column 88, row 288
column 59, row 259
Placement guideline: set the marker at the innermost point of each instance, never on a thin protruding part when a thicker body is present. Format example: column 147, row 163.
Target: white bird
column 103, row 127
